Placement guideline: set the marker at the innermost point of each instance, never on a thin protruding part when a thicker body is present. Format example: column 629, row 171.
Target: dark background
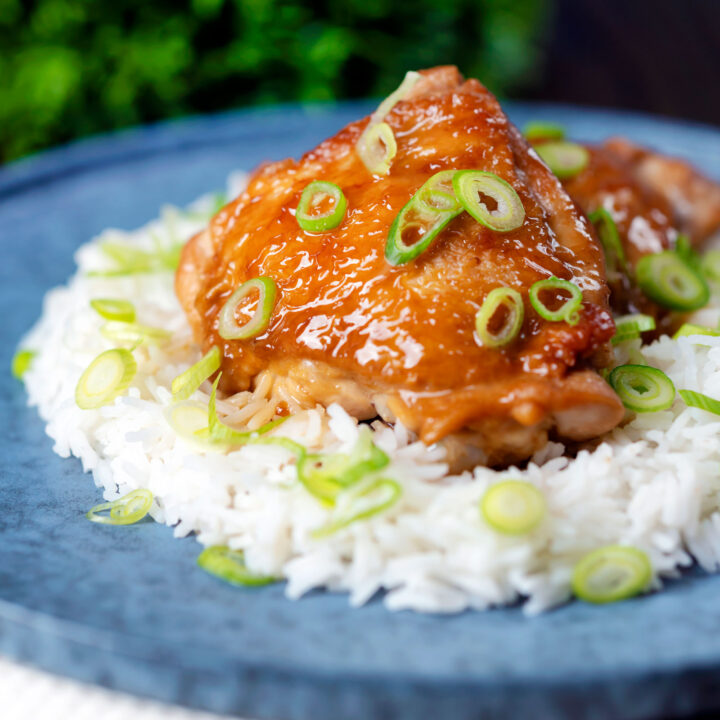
column 70, row 68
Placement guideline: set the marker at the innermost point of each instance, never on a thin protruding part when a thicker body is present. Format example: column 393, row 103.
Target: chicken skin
column 653, row 199
column 694, row 199
column 399, row 341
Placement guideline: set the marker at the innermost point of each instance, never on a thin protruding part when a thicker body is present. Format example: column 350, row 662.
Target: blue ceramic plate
column 127, row 608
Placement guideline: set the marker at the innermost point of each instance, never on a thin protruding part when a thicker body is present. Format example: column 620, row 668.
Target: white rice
column 653, row 484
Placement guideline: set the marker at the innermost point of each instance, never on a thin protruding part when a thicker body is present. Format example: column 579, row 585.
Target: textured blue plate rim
column 135, row 143
column 97, row 640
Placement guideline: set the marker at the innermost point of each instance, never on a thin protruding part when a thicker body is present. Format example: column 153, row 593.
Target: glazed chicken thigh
column 653, row 199
column 399, row 341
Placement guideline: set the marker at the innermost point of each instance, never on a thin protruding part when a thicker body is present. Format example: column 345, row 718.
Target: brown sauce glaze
column 407, row 332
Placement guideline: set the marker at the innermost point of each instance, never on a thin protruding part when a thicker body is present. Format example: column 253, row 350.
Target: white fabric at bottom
column 30, row 694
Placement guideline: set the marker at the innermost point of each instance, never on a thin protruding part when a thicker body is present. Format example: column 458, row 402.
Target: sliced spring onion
column 427, row 213
column 228, row 327
column 710, row 266
column 665, row 278
column 326, row 475
column 471, row 185
column 130, row 333
column 543, row 130
column 229, row 565
column 362, row 502
column 188, row 419
column 283, row 442
column 185, row 384
column 437, row 195
column 220, row 434
column 21, row 362
column 513, row 507
column 505, row 300
column 376, row 146
column 127, row 510
column 688, row 330
column 129, row 260
column 402, row 91
column 687, row 253
column 107, row 376
column 613, row 250
column 629, row 327
column 611, row 573
column 568, row 311
column 120, row 310
column 565, row 159
column 169, row 257
column 642, row 388
column 699, row 400
column 315, row 194
column 635, row 357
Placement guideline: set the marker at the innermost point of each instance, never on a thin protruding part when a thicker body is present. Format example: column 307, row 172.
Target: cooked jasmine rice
column 653, row 483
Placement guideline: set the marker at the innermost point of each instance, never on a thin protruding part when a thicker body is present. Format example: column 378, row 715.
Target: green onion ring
column 21, row 362
column 314, row 193
column 613, row 250
column 362, row 503
column 611, row 573
column 128, row 510
column 642, row 388
column 689, row 330
column 130, row 260
column 512, row 301
column 131, row 333
column 513, row 507
column 228, row 327
column 229, row 565
column 377, row 148
column 700, row 400
column 294, row 447
column 568, row 311
column 687, row 253
column 565, row 159
column 107, row 376
column 629, row 327
column 400, row 93
column 542, row 130
column 710, row 266
column 671, row 283
column 109, row 309
column 324, row 475
column 426, row 214
column 509, row 213
column 188, row 419
column 185, row 384
column 437, row 195
column 635, row 357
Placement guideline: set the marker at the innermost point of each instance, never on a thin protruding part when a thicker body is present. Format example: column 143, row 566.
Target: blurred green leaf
column 73, row 67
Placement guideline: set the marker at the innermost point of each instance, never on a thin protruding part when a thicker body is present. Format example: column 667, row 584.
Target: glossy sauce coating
column 653, row 199
column 643, row 218
column 407, row 331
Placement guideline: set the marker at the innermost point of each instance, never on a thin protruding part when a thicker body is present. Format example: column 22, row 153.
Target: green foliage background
column 73, row 67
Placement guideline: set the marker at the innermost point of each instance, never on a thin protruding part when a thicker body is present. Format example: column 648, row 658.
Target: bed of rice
column 653, row 483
